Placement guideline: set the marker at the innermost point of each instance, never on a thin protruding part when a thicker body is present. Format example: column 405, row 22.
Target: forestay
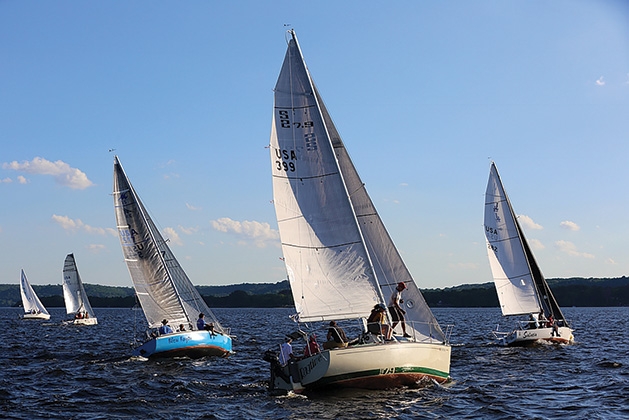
column 161, row 285
column 30, row 301
column 507, row 257
column 74, row 294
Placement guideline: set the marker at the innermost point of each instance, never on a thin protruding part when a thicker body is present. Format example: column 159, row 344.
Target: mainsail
column 339, row 256
column 74, row 294
column 30, row 301
column 161, row 285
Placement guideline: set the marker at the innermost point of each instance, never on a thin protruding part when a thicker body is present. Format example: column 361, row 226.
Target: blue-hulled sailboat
column 161, row 285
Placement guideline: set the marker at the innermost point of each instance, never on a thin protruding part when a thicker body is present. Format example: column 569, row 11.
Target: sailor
column 165, row 328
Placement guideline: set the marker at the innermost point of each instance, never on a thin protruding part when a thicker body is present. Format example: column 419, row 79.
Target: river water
column 53, row 370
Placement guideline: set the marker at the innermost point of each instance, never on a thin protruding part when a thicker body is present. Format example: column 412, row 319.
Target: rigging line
column 301, row 178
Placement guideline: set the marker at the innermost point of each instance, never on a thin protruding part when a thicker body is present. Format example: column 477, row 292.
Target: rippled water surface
column 53, row 370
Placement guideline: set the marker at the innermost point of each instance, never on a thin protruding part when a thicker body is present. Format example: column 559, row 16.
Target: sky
column 424, row 94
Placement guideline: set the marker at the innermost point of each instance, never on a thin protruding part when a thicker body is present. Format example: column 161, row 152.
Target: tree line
column 568, row 292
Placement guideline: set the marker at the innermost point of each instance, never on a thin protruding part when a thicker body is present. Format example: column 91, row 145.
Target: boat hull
column 36, row 316
column 370, row 366
column 86, row 321
column 192, row 344
column 536, row 336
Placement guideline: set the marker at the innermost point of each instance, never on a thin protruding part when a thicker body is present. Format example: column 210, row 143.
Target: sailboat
column 74, row 295
column 340, row 259
column 520, row 284
column 165, row 293
column 33, row 308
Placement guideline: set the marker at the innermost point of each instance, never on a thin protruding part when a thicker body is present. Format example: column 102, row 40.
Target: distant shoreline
column 576, row 291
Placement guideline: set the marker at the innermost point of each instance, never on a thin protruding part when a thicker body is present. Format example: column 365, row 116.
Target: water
column 52, row 370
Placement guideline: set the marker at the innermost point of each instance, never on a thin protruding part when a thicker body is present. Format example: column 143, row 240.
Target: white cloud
column 567, row 224
column 77, row 224
column 610, row 261
column 173, row 236
column 61, row 171
column 95, row 248
column 6, row 181
column 259, row 231
column 528, row 223
column 536, row 244
column 188, row 231
column 571, row 249
column 191, row 207
column 22, row 180
column 600, row 81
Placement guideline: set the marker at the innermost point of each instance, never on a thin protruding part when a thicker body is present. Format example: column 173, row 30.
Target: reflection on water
column 51, row 369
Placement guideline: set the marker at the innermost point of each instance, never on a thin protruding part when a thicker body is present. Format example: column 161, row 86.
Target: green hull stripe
column 376, row 372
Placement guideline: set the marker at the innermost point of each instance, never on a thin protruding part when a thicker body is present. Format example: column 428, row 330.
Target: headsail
column 30, row 301
column 510, row 264
column 74, row 294
column 330, row 229
column 162, row 287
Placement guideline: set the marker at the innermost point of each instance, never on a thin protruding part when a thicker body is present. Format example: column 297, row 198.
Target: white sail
column 385, row 258
column 327, row 262
column 30, row 301
column 74, row 294
column 339, row 256
column 510, row 266
column 161, row 285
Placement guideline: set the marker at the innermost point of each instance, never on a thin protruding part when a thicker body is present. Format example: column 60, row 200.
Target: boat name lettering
column 387, row 371
column 178, row 339
column 285, row 160
column 311, row 365
column 528, row 334
column 286, row 123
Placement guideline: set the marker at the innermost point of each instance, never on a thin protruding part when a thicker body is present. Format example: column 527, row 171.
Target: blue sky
column 422, row 92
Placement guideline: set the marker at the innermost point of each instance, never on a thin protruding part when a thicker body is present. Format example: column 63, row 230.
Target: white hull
column 86, row 321
column 36, row 316
column 521, row 337
column 369, row 366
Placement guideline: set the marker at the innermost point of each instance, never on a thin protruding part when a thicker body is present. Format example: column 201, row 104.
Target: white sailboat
column 74, row 295
column 521, row 287
column 161, row 285
column 339, row 257
column 33, row 308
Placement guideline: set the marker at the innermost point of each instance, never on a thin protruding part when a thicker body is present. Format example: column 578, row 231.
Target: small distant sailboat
column 74, row 294
column 340, row 259
column 33, row 308
column 521, row 287
column 161, row 285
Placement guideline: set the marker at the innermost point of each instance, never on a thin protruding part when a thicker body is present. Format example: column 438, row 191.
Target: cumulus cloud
column 567, row 224
column 173, row 236
column 600, row 81
column 536, row 244
column 63, row 173
column 528, row 223
column 571, row 249
column 22, row 180
column 259, row 231
column 74, row 225
column 6, row 181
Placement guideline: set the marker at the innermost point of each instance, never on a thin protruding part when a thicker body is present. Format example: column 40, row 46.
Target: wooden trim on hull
column 195, row 352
